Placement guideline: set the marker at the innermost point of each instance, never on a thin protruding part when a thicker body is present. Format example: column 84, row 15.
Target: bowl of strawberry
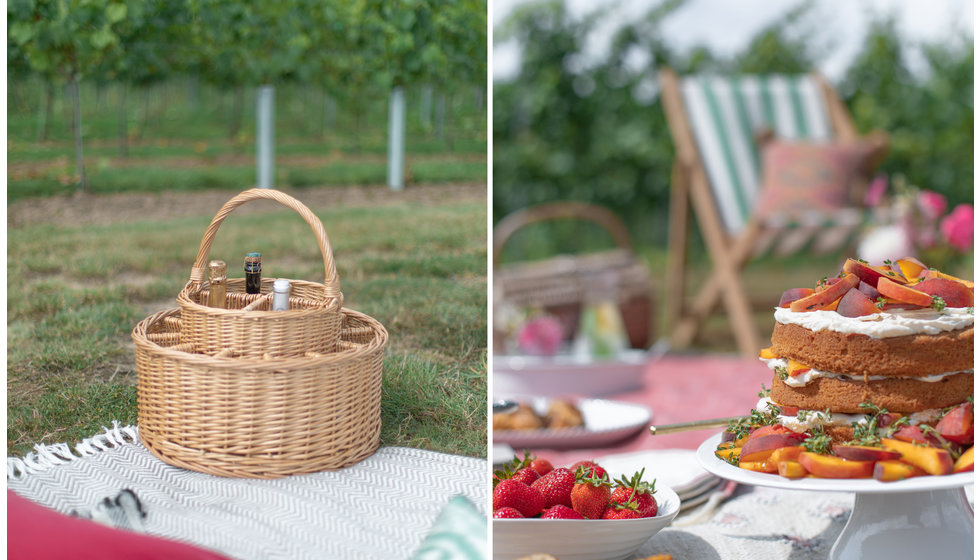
column 577, row 512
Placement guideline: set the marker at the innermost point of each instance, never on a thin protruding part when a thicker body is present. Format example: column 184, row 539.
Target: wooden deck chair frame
column 690, row 190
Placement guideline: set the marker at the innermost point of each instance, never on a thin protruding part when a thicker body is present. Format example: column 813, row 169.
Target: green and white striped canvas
column 727, row 112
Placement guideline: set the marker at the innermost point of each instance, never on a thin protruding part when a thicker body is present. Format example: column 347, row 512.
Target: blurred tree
column 929, row 115
column 67, row 39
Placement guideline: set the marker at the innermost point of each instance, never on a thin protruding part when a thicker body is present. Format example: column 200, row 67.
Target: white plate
column 706, row 455
column 568, row 375
column 582, row 539
column 606, row 421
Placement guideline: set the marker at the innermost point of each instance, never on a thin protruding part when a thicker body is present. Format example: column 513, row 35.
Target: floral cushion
column 802, row 177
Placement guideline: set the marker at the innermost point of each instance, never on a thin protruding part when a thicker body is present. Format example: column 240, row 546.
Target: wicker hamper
column 559, row 284
column 312, row 322
column 248, row 392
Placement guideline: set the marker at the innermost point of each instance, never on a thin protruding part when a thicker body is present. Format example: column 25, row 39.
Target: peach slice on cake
column 933, row 460
column 936, row 274
column 903, row 293
column 828, row 466
column 911, row 267
column 821, row 299
column 856, row 304
column 954, row 294
column 870, row 274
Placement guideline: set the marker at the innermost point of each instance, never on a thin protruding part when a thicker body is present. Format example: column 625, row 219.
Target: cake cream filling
column 808, row 420
column 887, row 324
column 812, row 374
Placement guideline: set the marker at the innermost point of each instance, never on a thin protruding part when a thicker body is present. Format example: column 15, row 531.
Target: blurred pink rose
column 958, row 227
column 933, row 204
column 876, row 190
column 540, row 336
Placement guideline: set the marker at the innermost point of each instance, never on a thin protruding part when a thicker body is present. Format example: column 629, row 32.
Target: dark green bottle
column 253, row 273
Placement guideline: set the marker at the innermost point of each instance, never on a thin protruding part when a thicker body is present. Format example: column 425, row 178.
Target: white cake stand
column 920, row 517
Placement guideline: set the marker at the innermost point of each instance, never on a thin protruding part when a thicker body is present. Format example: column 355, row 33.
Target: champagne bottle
column 280, row 295
column 253, row 273
column 217, row 279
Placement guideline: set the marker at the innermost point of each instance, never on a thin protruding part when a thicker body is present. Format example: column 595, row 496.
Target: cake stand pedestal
column 921, row 517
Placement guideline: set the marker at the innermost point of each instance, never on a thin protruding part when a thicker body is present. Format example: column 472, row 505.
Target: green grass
column 75, row 293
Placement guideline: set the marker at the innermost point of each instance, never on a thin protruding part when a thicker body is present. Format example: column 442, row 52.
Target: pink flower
column 541, row 336
column 933, row 204
column 876, row 190
column 958, row 227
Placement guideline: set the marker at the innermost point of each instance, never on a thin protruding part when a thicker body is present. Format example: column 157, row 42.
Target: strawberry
column 561, row 512
column 635, row 491
column 556, row 487
column 527, row 475
column 590, row 495
column 590, row 467
column 617, row 512
column 507, row 513
column 542, row 466
column 520, row 496
column 512, row 467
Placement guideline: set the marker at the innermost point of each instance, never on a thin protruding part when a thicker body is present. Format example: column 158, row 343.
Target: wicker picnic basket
column 255, row 417
column 247, row 327
column 559, row 285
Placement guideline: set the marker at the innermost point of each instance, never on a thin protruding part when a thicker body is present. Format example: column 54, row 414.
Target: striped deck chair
column 714, row 122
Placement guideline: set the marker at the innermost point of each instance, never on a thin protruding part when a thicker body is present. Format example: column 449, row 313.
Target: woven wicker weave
column 259, row 418
column 559, row 284
column 312, row 322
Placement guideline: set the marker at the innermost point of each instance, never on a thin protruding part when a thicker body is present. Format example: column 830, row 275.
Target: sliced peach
column 913, row 434
column 791, row 469
column 903, row 293
column 824, row 298
column 957, row 424
column 891, row 470
column 760, row 448
column 793, row 294
column 855, row 304
column 789, row 410
column 728, row 454
column 965, row 462
column 936, row 274
column 789, row 453
column 827, row 282
column 865, row 453
column 869, row 290
column 954, row 294
column 828, row 466
column 768, row 354
column 759, row 466
column 870, row 274
column 933, row 460
column 911, row 267
column 773, row 429
column 794, row 368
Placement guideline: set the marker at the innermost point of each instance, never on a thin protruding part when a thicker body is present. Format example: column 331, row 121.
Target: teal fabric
column 459, row 533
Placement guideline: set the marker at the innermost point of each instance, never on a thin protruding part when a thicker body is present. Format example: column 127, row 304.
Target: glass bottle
column 217, row 281
column 253, row 273
column 280, row 295
column 601, row 332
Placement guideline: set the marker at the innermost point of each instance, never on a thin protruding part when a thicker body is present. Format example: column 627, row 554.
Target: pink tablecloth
column 682, row 388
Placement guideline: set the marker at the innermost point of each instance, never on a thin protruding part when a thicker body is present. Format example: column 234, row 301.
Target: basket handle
column 556, row 210
column 199, row 271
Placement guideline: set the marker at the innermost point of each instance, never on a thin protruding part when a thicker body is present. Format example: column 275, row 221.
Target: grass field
column 75, row 293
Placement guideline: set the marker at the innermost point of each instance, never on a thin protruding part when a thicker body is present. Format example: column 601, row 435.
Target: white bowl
column 568, row 375
column 582, row 539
